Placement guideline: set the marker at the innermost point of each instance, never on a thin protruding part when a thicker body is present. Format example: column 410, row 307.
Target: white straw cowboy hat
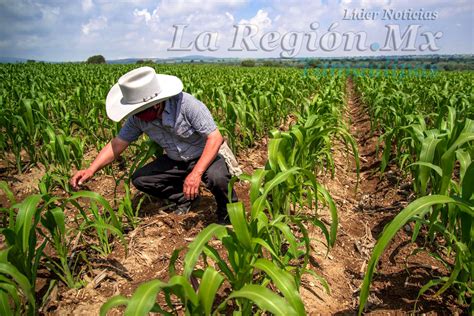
column 138, row 90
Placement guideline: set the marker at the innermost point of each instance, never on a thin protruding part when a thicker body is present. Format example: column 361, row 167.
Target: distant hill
column 163, row 60
column 195, row 57
column 123, row 61
column 13, row 60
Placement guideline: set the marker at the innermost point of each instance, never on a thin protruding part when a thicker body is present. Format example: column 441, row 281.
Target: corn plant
column 419, row 208
column 17, row 296
column 57, row 235
column 7, row 215
column 52, row 180
column 127, row 210
column 101, row 224
column 197, row 302
column 22, row 255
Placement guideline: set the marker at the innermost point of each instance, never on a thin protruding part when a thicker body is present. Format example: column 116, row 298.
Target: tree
column 144, row 61
column 96, row 59
column 248, row 63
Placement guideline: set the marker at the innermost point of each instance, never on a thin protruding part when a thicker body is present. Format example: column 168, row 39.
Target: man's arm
column 193, row 180
column 109, row 153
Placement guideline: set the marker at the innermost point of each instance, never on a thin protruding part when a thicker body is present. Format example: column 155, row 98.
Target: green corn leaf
column 425, row 161
column 102, row 201
column 173, row 259
column 447, row 159
column 274, row 151
column 21, row 280
column 112, row 303
column 265, row 299
column 387, row 150
column 264, row 244
column 455, row 271
column 5, row 308
column 239, row 223
column 221, row 263
column 12, row 291
column 256, row 180
column 415, row 208
column 427, row 166
column 143, row 298
column 112, row 229
column 290, row 237
column 26, row 218
column 279, row 178
column 93, row 196
column 321, row 280
column 6, row 189
column 182, row 288
column 28, row 114
column 464, row 161
column 210, row 283
column 197, row 245
column 59, row 217
column 333, row 212
column 284, row 282
column 425, row 288
column 468, row 183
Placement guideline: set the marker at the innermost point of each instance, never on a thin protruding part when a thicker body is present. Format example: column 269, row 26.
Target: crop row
column 427, row 129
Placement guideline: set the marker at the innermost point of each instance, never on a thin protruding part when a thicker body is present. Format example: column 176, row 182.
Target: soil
column 365, row 206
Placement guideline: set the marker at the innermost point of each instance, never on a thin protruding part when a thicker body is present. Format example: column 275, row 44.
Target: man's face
column 151, row 113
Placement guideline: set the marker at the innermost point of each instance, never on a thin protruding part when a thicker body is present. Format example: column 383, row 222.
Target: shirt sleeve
column 199, row 116
column 130, row 131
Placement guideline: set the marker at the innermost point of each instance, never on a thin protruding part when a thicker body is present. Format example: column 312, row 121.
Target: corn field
column 53, row 117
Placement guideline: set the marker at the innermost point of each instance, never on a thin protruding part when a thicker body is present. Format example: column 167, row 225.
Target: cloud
column 261, row 20
column 143, row 14
column 230, row 16
column 182, row 7
column 87, row 5
column 94, row 25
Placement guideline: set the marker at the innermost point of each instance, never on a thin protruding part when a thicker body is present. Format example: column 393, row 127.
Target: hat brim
column 117, row 108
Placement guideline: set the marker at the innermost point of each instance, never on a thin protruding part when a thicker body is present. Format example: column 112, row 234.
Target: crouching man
column 182, row 126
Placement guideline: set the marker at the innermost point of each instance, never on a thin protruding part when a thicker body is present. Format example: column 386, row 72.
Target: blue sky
column 60, row 30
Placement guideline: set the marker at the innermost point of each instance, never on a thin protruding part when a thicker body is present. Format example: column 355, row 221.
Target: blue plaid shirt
column 182, row 131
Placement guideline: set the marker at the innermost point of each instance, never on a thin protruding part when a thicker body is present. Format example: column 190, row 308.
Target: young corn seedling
column 104, row 223
column 56, row 235
column 20, row 259
column 17, row 295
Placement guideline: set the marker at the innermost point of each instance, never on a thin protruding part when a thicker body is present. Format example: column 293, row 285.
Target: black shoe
column 185, row 207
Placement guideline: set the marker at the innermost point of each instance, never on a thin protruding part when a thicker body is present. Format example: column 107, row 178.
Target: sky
column 63, row 30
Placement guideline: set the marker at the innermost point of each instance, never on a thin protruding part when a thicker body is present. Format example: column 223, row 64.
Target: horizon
column 388, row 57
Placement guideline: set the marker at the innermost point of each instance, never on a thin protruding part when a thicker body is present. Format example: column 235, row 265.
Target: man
column 182, row 126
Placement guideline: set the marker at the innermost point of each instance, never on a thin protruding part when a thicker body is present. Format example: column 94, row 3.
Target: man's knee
column 137, row 180
column 218, row 181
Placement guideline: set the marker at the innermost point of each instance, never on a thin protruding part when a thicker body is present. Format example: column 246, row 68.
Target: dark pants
column 164, row 178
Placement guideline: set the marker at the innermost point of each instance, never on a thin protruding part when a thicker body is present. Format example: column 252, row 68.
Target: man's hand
column 191, row 185
column 193, row 180
column 108, row 154
column 80, row 177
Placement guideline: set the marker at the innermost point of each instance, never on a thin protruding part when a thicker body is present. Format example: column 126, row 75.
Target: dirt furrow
column 363, row 213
